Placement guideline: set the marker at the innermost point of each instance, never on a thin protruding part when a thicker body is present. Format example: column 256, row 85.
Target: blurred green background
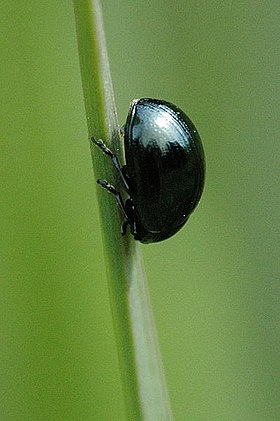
column 215, row 285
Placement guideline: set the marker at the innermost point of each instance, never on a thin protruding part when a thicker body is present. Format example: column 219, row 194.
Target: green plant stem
column 140, row 362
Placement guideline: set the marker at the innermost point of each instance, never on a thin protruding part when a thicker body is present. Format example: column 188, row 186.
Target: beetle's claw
column 107, row 186
column 124, row 227
column 122, row 130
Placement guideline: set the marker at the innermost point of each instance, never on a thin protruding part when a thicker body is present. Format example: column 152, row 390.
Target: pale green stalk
column 140, row 363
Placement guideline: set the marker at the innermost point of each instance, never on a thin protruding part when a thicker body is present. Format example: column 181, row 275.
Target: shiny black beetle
column 164, row 171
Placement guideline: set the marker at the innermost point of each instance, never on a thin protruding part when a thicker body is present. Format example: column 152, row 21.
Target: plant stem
column 140, row 362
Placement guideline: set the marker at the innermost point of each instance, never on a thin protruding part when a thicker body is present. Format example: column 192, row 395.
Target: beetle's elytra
column 164, row 171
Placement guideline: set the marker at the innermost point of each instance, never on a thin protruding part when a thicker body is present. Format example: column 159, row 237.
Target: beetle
column 164, row 169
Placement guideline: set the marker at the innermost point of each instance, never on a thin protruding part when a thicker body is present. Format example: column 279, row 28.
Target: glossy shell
column 164, row 166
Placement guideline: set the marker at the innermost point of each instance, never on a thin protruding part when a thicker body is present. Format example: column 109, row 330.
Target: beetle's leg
column 130, row 212
column 124, row 171
column 122, row 130
column 110, row 188
column 124, row 226
column 101, row 145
